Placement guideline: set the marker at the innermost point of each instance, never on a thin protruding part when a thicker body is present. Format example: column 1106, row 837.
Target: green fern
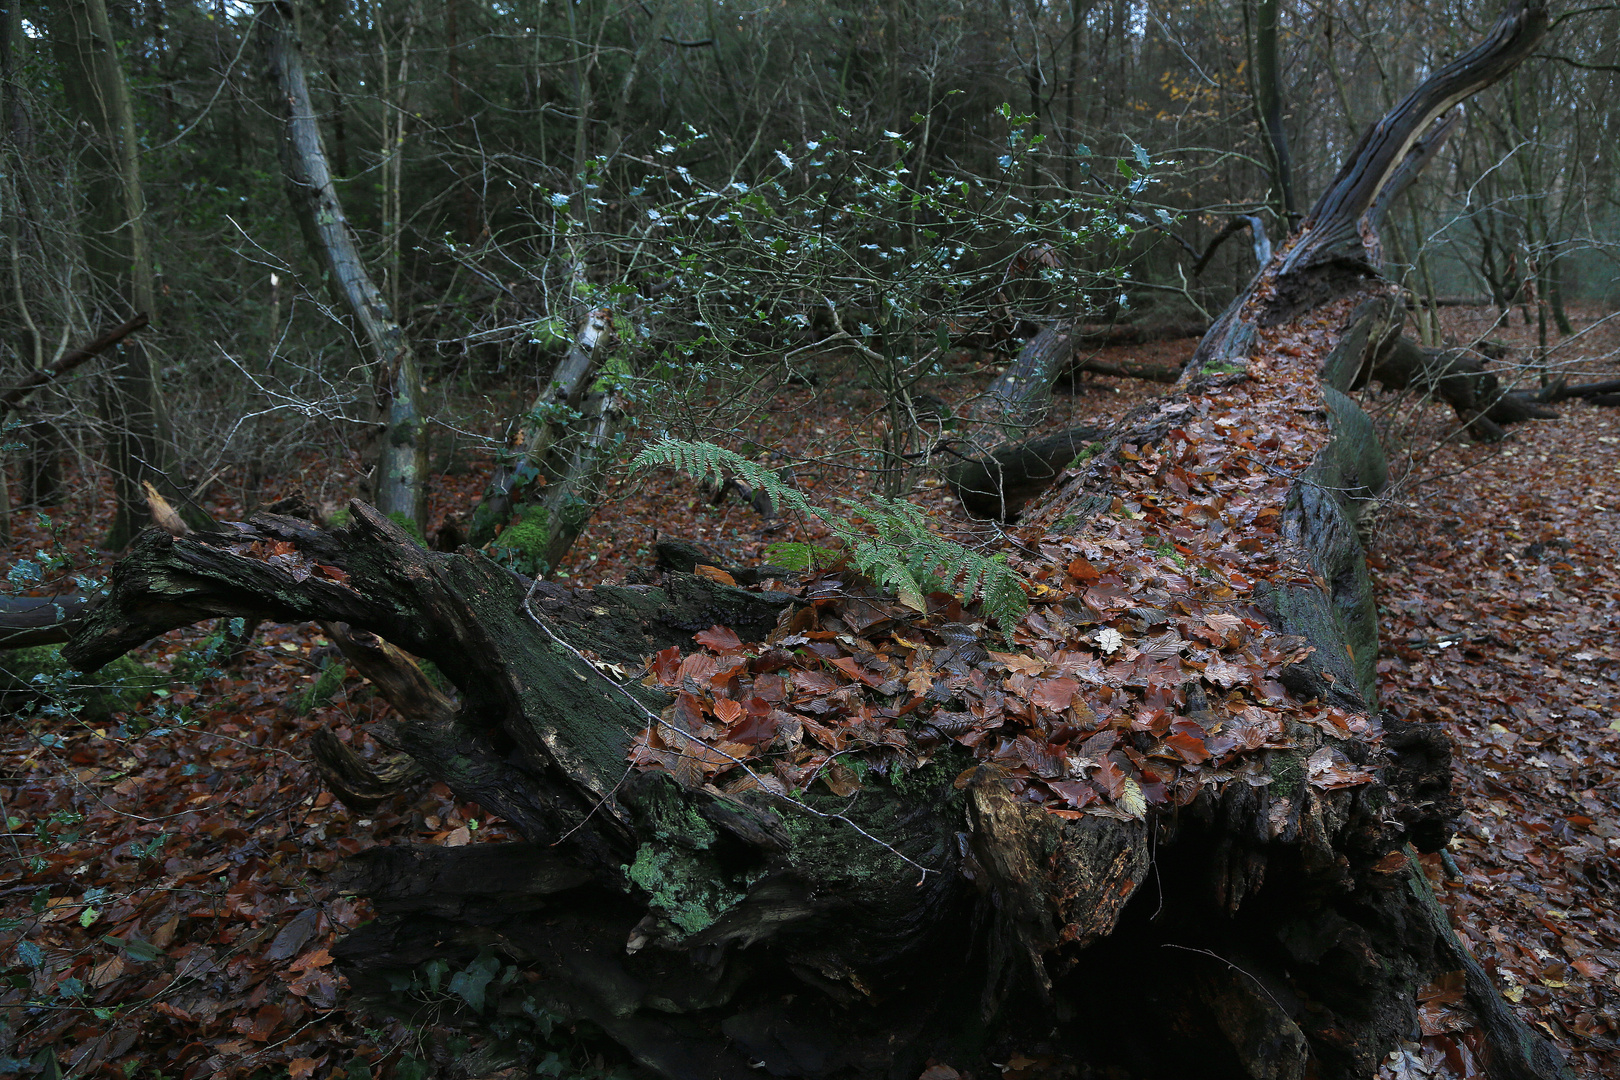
column 896, row 549
column 792, row 555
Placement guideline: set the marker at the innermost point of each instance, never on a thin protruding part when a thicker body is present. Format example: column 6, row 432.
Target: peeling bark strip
column 1165, row 834
column 397, row 382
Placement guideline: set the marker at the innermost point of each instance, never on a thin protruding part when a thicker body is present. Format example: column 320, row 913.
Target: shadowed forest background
column 464, row 261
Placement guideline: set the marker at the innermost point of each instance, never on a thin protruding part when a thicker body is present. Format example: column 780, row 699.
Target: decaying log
column 1009, row 471
column 673, row 554
column 1022, row 392
column 40, row 620
column 1128, row 370
column 359, row 784
column 1001, row 483
column 1269, row 923
column 1460, row 379
column 1604, row 392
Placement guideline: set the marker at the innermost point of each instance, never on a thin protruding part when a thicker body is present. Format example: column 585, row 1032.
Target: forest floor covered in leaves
column 1500, row 597
column 163, row 877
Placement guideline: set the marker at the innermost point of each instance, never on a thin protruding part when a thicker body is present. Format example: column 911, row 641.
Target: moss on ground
column 40, row 673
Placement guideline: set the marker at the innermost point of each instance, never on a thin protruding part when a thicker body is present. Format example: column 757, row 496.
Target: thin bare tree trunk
column 542, row 495
column 402, row 452
column 1268, row 106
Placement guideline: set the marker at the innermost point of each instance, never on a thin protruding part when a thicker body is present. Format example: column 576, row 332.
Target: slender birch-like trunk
column 402, row 452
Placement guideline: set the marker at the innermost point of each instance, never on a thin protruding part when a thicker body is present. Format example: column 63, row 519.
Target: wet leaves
column 165, row 906
column 1498, row 590
column 1143, row 672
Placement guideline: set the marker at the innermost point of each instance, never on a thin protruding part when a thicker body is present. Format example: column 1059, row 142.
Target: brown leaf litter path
column 1500, row 599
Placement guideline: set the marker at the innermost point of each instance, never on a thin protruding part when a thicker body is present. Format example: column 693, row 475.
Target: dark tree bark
column 1269, row 110
column 119, row 257
column 1008, row 472
column 1603, row 392
column 1266, row 926
column 40, row 620
column 11, row 398
column 1459, row 378
column 1000, row 484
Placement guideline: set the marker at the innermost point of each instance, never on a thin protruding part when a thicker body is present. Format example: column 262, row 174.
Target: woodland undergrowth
column 163, row 883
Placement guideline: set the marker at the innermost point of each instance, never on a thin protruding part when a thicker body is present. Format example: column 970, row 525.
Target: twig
column 67, row 362
column 1234, row 967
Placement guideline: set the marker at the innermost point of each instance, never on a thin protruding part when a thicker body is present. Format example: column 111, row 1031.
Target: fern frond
column 792, row 555
column 887, row 565
column 903, row 527
column 706, row 461
column 900, row 552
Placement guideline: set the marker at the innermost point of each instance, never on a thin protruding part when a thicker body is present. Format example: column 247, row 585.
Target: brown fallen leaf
column 713, row 573
column 318, row 959
column 841, row 780
column 106, row 971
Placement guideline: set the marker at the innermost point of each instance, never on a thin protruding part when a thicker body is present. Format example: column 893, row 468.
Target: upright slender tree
column 401, row 459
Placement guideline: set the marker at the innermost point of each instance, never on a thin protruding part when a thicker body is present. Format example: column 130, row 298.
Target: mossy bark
column 545, row 489
column 929, row 915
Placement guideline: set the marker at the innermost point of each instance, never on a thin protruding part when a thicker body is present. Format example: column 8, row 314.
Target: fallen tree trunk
column 1604, row 392
column 1022, row 392
column 1009, row 472
column 1000, row 484
column 1155, row 827
column 1459, row 378
column 40, row 620
column 1127, row 370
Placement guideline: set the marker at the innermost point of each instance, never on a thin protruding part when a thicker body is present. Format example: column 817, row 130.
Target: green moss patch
column 687, row 888
column 40, row 673
column 527, row 537
column 408, row 523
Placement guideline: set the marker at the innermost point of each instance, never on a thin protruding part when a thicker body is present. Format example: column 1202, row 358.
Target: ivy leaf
column 470, row 983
